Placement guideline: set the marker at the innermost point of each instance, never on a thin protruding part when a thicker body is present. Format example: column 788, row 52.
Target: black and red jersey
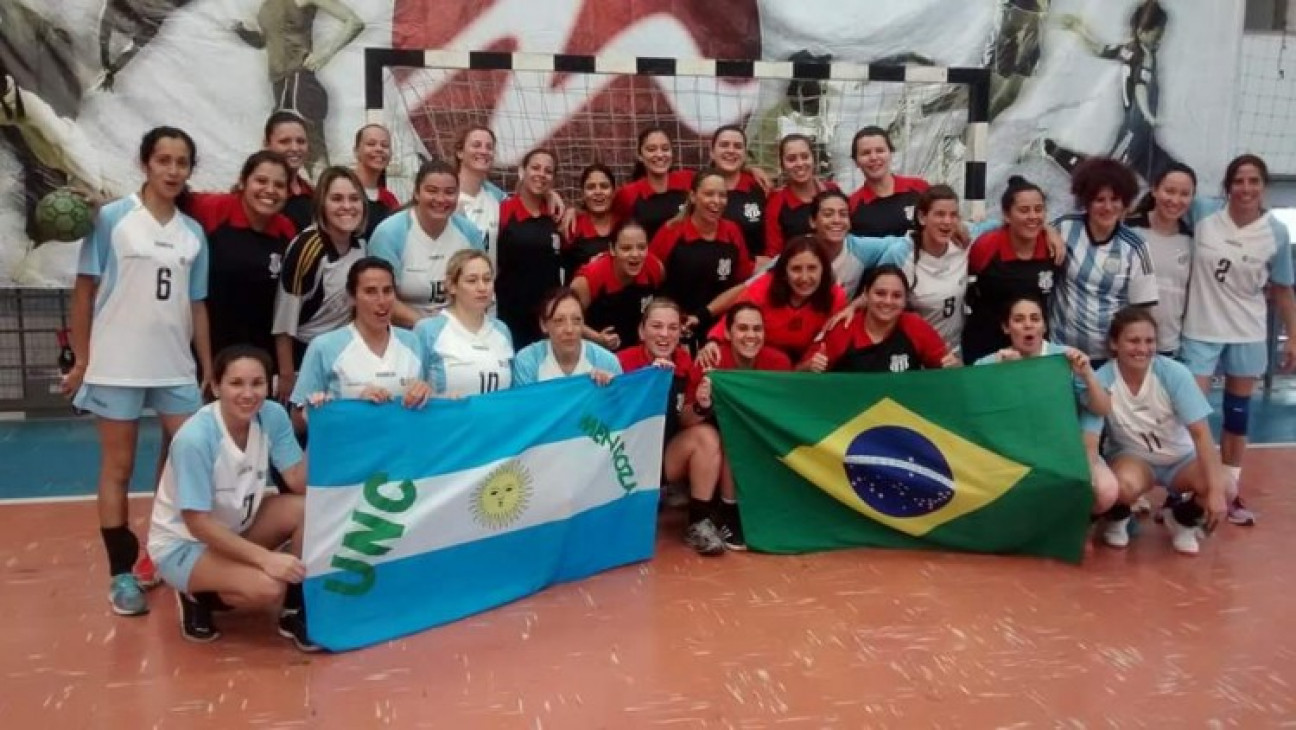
column 997, row 277
column 912, row 345
column 789, row 329
column 529, row 268
column 243, row 269
column 638, row 357
column 788, row 216
column 300, row 206
column 745, row 207
column 585, row 243
column 700, row 269
column 875, row 217
column 378, row 208
column 768, row 360
column 618, row 304
column 638, row 201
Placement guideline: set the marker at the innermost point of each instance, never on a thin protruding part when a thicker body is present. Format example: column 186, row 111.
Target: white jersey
column 1231, row 266
column 341, row 365
column 460, row 362
column 207, row 472
column 149, row 274
column 312, row 297
column 938, row 285
column 536, row 363
column 1098, row 280
column 483, row 211
column 1151, row 423
column 419, row 259
column 1172, row 261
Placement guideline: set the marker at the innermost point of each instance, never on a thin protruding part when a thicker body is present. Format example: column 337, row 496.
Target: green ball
column 63, row 216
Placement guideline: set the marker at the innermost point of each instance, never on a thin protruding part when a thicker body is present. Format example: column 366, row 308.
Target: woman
column 615, row 287
column 529, row 246
column 1005, row 264
column 418, row 241
column 692, row 452
column 704, row 253
column 884, row 204
column 214, row 533
column 247, row 237
column 368, row 359
column 795, row 297
column 591, row 231
column 1024, row 326
column 136, row 309
column 886, row 339
column 745, row 202
column 465, row 350
column 851, row 255
column 744, row 349
column 312, row 298
column 563, row 353
column 479, row 199
column 372, row 155
column 1107, row 266
column 789, row 209
column 655, row 193
column 1161, row 220
column 1157, row 433
column 285, row 133
column 1241, row 251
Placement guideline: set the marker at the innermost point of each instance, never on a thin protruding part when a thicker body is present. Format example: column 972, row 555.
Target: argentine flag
column 419, row 518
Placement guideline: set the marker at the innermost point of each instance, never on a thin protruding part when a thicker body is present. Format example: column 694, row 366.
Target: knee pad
column 1237, row 414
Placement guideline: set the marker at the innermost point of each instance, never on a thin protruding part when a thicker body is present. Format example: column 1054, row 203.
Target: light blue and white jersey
column 206, row 471
column 340, row 364
column 1046, row 348
column 859, row 254
column 1098, row 281
column 1151, row 423
column 1231, row 266
column 536, row 363
column 483, row 211
column 460, row 362
column 149, row 274
column 419, row 259
column 1172, row 261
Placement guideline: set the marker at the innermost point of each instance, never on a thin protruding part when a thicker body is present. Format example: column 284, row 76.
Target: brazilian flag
column 982, row 459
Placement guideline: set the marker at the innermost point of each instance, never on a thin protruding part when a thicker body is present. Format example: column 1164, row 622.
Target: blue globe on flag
column 898, row 472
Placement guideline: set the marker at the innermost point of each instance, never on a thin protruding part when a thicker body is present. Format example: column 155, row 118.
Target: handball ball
column 63, row 216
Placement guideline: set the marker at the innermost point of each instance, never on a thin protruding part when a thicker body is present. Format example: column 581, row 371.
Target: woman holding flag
column 466, row 351
column 563, row 352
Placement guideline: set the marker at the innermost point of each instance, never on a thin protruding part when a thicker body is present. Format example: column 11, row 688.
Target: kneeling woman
column 1024, row 325
column 744, row 349
column 465, row 350
column 368, row 359
column 1157, row 433
column 563, row 352
column 214, row 536
column 692, row 452
column 885, row 338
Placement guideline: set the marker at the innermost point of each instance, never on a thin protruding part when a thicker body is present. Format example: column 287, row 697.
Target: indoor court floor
column 853, row 639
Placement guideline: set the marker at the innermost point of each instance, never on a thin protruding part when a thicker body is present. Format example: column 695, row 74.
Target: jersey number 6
column 163, row 283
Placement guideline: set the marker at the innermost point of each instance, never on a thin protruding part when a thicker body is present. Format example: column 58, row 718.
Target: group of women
column 268, row 300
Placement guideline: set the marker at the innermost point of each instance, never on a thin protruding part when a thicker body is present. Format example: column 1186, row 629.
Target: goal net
column 591, row 109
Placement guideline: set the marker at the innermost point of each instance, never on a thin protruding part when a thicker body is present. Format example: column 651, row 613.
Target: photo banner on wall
column 1070, row 79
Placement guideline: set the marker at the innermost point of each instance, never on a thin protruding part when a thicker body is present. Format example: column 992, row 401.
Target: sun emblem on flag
column 502, row 496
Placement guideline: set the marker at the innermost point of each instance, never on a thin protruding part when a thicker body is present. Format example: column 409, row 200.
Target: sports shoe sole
column 216, row 634
column 304, row 648
column 123, row 612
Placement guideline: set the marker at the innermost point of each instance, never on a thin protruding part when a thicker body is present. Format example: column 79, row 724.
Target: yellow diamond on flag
column 904, row 471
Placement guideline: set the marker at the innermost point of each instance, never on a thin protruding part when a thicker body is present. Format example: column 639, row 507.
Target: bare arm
column 287, row 375
column 202, row 343
column 1284, row 300
column 82, row 315
column 1208, row 460
column 352, row 26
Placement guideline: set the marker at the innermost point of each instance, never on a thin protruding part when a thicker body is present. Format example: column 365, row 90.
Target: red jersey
column 700, row 269
column 912, row 344
column 616, row 304
column 875, row 217
column 637, row 357
column 787, row 216
column 768, row 359
column 638, row 201
column 787, row 328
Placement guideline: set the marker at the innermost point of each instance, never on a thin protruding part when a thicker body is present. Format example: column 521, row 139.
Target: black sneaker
column 292, row 625
column 196, row 622
column 731, row 529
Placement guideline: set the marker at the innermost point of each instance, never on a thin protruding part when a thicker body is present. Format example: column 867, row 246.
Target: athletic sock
column 122, row 548
column 1118, row 512
column 698, row 510
column 1187, row 512
column 293, row 600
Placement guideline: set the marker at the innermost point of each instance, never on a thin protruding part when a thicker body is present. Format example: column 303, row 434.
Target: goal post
column 591, row 108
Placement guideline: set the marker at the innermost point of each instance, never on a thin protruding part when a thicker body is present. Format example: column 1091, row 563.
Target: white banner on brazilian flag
column 419, row 518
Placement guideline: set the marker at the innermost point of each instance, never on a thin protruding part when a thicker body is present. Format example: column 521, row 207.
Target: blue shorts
column 1162, row 475
column 127, row 403
column 1235, row 359
column 177, row 564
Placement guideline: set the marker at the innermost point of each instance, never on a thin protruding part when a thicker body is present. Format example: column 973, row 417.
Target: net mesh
column 586, row 118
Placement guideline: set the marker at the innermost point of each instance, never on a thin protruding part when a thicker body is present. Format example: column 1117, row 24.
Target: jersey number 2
column 163, row 283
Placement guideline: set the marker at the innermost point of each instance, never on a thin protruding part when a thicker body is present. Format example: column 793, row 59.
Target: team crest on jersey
column 725, row 268
column 1112, row 265
column 899, row 363
column 557, row 242
column 1045, row 282
column 644, row 302
column 752, row 212
column 276, row 264
column 909, row 212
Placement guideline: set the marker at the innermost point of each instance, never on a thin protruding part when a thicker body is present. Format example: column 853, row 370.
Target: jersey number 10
column 490, row 382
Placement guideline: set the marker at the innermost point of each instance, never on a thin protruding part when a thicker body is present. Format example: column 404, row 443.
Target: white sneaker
column 1183, row 538
column 1116, row 533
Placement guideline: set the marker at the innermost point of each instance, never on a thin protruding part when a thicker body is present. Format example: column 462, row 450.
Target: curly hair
column 1096, row 173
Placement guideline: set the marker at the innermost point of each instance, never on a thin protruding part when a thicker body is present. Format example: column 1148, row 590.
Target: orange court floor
column 853, row 639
